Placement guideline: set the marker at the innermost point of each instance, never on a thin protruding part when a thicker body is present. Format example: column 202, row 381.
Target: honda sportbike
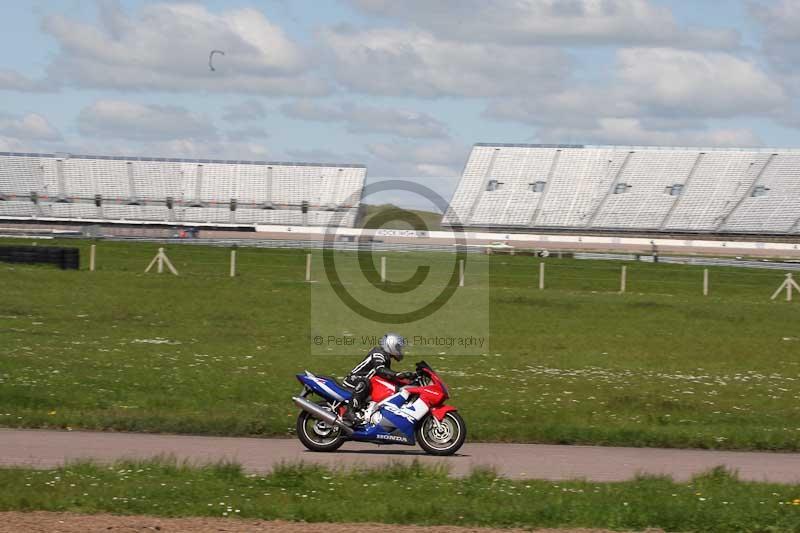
column 397, row 414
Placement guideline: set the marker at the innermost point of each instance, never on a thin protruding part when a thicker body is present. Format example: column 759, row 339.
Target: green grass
column 575, row 363
column 397, row 218
column 715, row 501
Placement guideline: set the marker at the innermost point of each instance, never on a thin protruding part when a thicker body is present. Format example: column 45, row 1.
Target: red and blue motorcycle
column 397, row 414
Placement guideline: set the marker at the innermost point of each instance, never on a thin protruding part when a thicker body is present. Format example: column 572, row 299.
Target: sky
column 404, row 87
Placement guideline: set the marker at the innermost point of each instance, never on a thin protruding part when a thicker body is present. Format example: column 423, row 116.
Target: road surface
column 47, row 449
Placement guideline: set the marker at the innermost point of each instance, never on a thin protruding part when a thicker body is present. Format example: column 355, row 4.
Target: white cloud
column 320, row 155
column 781, row 19
column 563, row 22
column 780, row 24
column 165, row 46
column 655, row 96
column 369, row 119
column 632, row 131
column 244, row 111
column 11, row 80
column 30, row 127
column 246, row 134
column 574, row 107
column 142, row 122
column 698, row 83
column 432, row 159
column 416, row 63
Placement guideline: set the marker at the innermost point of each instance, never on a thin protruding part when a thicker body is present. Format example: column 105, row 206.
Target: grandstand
column 629, row 189
column 177, row 191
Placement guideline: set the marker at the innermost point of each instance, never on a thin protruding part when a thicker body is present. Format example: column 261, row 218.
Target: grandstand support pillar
column 460, row 272
column 92, row 251
column 748, row 192
column 623, row 281
column 61, row 180
column 233, row 263
column 541, row 276
column 705, row 282
column 609, row 191
column 133, row 197
column 486, row 176
column 198, row 183
column 383, row 269
column 686, row 183
column 308, row 267
column 543, row 195
column 790, row 285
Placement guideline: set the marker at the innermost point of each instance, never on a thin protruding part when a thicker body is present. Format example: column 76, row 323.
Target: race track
column 47, row 449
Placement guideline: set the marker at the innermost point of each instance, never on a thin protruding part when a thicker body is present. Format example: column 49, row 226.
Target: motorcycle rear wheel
column 316, row 435
column 445, row 438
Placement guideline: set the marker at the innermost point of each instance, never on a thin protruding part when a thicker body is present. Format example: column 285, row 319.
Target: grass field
column 716, row 501
column 575, row 363
column 430, row 221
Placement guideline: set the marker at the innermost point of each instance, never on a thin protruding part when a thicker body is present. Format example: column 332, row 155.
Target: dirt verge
column 41, row 522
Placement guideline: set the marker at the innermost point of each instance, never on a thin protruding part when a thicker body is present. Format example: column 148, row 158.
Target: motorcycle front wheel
column 316, row 435
column 442, row 438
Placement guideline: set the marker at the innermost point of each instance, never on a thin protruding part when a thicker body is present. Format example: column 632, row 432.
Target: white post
column 159, row 260
column 460, row 272
column 792, row 285
column 623, row 279
column 789, row 285
column 383, row 269
column 308, row 267
column 541, row 276
column 233, row 263
column 705, row 282
column 92, row 252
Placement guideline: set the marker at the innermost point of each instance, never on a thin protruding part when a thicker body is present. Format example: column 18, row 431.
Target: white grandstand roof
column 629, row 188
column 181, row 160
column 761, row 149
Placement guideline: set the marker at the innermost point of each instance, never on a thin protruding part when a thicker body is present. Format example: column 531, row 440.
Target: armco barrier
column 64, row 258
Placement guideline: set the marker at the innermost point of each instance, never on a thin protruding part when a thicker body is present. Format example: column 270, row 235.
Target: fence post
column 308, row 267
column 460, row 272
column 541, row 276
column 233, row 263
column 160, row 260
column 624, row 279
column 705, row 282
column 92, row 252
column 789, row 287
column 383, row 269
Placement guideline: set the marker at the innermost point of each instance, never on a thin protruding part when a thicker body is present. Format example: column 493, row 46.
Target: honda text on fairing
column 397, row 414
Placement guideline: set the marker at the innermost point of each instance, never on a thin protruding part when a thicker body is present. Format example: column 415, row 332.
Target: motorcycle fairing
column 384, row 433
column 324, row 386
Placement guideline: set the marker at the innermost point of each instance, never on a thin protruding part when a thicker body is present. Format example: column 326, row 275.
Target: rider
column 377, row 362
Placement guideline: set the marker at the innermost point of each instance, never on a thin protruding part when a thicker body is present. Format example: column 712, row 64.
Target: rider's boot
column 350, row 417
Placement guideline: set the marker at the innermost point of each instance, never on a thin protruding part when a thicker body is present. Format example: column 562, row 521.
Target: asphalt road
column 47, row 449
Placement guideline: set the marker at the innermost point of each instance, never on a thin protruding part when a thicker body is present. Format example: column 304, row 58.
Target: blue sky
column 404, row 87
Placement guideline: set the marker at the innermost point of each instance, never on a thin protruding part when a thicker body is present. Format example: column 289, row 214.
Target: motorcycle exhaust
column 322, row 414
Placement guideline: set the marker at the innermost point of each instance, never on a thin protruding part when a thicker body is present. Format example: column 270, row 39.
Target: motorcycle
column 397, row 414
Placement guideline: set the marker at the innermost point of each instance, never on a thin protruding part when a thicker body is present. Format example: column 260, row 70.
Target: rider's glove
column 407, row 375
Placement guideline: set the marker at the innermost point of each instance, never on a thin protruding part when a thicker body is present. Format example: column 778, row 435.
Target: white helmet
column 392, row 344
